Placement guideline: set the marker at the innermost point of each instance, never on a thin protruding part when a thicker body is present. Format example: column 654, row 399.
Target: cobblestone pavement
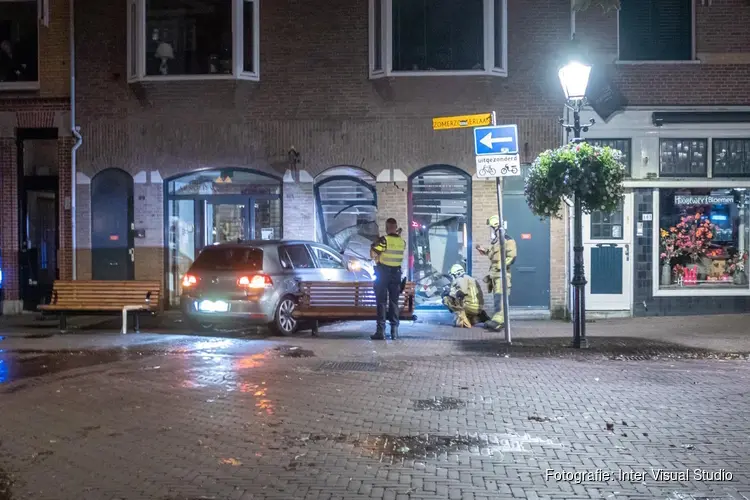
column 342, row 417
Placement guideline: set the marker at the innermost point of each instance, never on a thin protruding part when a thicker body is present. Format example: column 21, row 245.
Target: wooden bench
column 346, row 301
column 103, row 297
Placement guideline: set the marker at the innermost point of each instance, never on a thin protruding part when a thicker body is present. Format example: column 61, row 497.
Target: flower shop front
column 703, row 236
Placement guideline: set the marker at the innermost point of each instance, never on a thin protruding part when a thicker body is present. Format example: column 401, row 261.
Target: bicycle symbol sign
column 498, row 166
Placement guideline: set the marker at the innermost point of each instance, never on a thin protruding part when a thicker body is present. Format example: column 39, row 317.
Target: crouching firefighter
column 388, row 252
column 495, row 279
column 465, row 299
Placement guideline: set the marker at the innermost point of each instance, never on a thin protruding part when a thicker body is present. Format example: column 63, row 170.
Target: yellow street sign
column 463, row 121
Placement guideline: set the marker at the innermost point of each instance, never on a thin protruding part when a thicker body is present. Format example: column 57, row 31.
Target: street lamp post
column 574, row 78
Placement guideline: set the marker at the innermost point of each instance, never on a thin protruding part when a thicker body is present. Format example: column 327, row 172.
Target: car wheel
column 283, row 322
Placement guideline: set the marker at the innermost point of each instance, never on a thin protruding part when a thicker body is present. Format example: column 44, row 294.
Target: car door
column 331, row 266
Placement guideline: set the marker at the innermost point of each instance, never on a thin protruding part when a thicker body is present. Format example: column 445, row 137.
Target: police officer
column 465, row 299
column 388, row 252
column 494, row 280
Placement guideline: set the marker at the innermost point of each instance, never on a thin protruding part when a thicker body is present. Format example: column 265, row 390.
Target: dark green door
column 531, row 271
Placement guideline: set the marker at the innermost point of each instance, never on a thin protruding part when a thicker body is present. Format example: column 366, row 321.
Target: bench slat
column 100, row 295
column 347, row 300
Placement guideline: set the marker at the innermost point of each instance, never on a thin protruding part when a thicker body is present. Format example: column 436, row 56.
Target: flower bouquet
column 694, row 235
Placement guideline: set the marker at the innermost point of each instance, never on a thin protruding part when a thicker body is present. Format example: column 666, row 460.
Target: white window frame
column 42, row 14
column 386, row 46
column 693, row 50
column 137, row 60
column 689, row 291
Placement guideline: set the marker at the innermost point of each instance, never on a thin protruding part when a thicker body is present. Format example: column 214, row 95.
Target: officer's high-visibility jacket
column 389, row 250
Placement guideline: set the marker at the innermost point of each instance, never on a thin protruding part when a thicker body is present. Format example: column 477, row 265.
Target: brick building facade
column 35, row 151
column 313, row 93
column 685, row 130
column 155, row 107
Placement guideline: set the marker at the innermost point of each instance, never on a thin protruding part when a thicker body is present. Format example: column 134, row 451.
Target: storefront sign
column 703, row 200
column 647, row 217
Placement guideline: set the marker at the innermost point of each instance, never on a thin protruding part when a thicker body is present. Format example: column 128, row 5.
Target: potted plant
column 669, row 251
column 592, row 174
column 694, row 234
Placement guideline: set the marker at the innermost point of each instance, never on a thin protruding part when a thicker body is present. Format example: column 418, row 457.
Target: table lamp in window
column 164, row 52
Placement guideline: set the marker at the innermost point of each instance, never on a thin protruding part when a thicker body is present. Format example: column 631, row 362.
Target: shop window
column 347, row 211
column 622, row 145
column 440, row 229
column 656, row 30
column 440, row 37
column 19, row 44
column 683, row 158
column 731, row 158
column 703, row 238
column 217, row 206
column 173, row 39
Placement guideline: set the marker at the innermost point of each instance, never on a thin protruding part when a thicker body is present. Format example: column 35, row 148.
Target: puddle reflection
column 230, row 373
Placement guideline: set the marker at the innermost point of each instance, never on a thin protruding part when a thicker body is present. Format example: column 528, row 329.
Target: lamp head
column 574, row 78
column 574, row 74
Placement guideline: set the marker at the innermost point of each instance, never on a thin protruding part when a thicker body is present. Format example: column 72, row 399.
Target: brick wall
column 9, row 220
column 722, row 46
column 54, row 47
column 558, row 284
column 299, row 209
column 484, row 206
column 64, row 228
column 148, row 215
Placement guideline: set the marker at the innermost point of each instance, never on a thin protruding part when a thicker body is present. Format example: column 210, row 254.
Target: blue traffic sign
column 497, row 140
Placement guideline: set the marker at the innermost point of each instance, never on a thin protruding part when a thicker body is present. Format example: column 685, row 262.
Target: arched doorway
column 346, row 206
column 215, row 206
column 112, row 239
column 439, row 229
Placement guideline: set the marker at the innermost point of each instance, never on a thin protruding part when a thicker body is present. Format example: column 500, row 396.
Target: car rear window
column 230, row 259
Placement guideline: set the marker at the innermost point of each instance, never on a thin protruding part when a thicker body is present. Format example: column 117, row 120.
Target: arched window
column 346, row 205
column 439, row 230
column 215, row 206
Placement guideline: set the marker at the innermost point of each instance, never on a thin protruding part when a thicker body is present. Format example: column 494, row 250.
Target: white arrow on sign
column 488, row 140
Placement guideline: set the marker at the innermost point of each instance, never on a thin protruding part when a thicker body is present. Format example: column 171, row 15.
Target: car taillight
column 189, row 280
column 257, row 281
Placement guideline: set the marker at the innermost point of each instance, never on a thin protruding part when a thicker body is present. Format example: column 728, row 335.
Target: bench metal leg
column 63, row 322
column 137, row 322
column 315, row 328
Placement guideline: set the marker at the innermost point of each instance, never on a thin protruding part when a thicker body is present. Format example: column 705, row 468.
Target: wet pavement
column 440, row 414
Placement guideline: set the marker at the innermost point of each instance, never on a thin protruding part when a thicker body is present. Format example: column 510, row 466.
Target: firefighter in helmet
column 465, row 299
column 494, row 280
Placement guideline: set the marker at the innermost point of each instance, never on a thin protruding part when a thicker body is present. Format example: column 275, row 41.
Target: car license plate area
column 212, row 306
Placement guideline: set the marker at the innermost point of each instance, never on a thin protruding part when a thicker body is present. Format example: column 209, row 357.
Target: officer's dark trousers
column 387, row 291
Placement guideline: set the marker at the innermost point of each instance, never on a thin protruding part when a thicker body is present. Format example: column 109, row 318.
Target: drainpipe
column 75, row 129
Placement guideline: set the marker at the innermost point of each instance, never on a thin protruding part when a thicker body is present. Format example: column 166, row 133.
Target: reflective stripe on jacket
column 390, row 250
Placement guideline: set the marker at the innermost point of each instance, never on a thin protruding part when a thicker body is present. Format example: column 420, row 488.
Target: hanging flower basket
column 591, row 173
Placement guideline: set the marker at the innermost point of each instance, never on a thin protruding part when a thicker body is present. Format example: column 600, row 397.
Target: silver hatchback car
column 256, row 282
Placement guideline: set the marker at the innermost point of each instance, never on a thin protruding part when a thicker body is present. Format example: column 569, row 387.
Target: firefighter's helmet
column 494, row 222
column 457, row 270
